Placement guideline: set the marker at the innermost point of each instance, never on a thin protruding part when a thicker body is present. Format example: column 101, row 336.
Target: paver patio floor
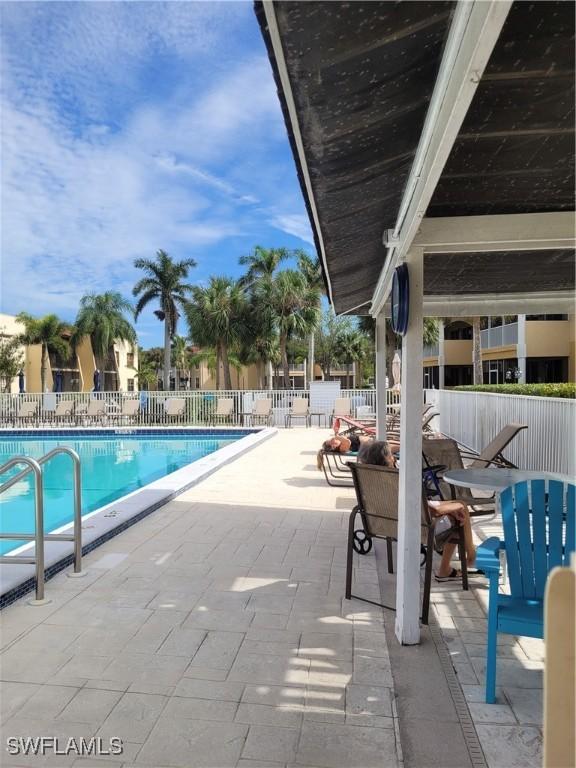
column 213, row 633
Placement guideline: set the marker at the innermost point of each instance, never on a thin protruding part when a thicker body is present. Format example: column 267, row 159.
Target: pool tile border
column 20, row 578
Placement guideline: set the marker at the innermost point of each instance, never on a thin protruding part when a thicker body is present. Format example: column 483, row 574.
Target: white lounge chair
column 262, row 412
column 129, row 411
column 299, row 410
column 224, row 410
column 63, row 411
column 342, row 407
column 27, row 411
column 96, row 411
column 174, row 407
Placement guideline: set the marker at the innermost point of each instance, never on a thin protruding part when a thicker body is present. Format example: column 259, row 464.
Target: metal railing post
column 39, row 538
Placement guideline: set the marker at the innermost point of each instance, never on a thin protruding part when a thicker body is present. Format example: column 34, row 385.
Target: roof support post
column 410, row 481
column 381, row 390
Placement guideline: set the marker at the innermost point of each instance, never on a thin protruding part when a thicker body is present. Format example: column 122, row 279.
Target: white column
column 381, row 376
column 521, row 348
column 441, row 358
column 410, row 485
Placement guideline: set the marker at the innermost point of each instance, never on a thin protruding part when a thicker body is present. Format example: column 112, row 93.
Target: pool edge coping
column 112, row 519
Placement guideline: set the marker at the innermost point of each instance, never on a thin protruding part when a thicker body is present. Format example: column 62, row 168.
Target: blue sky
column 128, row 127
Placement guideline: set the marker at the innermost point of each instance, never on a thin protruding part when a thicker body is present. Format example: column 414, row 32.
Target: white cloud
column 98, row 168
column 294, row 224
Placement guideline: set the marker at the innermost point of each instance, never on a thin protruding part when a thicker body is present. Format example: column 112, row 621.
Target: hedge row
column 537, row 390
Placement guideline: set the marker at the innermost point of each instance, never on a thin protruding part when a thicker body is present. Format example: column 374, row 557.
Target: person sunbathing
column 341, row 444
column 380, row 453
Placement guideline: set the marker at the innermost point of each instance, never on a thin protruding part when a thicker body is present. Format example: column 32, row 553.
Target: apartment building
column 117, row 369
column 523, row 348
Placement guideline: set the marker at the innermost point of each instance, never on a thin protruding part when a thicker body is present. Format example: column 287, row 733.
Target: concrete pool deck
column 214, row 633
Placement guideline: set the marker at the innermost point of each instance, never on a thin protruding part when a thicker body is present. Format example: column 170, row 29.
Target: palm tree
column 216, row 316
column 294, row 306
column 262, row 262
column 351, row 349
column 146, row 373
column 47, row 331
column 102, row 317
column 209, row 356
column 328, row 336
column 164, row 282
column 180, row 356
column 312, row 271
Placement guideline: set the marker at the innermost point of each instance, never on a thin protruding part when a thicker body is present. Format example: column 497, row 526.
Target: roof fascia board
column 473, row 34
column 505, row 232
column 477, row 305
column 276, row 41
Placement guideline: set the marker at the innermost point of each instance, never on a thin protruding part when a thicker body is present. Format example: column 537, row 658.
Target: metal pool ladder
column 39, row 537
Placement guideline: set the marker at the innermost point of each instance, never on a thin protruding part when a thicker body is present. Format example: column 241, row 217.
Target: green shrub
column 537, row 390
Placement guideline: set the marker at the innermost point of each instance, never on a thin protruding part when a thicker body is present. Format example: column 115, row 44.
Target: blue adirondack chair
column 539, row 534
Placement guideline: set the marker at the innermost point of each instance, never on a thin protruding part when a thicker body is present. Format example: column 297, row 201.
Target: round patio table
column 494, row 479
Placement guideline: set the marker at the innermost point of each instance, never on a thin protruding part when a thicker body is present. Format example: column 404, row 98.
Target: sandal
column 452, row 576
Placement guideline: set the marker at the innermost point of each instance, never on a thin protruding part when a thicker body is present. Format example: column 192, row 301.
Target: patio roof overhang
column 400, row 111
column 440, row 135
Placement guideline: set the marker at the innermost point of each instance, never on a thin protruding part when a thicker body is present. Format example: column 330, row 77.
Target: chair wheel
column 361, row 542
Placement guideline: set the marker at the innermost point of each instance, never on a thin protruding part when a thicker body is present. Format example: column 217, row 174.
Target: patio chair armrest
column 487, row 558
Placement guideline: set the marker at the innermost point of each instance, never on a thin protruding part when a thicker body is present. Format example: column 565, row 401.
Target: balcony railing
column 502, row 336
column 431, row 350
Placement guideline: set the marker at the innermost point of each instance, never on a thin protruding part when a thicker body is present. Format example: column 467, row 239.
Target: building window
column 130, row 385
column 546, row 317
column 197, row 382
column 130, row 359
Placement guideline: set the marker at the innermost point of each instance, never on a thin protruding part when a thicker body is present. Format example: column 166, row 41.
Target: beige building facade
column 525, row 349
column 117, row 371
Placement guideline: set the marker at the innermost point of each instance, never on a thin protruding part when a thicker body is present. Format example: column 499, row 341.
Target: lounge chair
column 174, row 408
column 224, row 411
column 27, row 411
column 336, row 472
column 493, row 451
column 262, row 412
column 427, row 416
column 64, row 412
column 129, row 411
column 352, row 425
column 440, row 454
column 539, row 521
column 377, row 496
column 299, row 410
column 95, row 411
column 342, row 407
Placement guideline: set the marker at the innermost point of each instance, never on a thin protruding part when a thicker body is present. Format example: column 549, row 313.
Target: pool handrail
column 39, row 537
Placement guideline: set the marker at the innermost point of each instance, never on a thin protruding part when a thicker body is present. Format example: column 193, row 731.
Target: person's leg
column 445, row 568
column 459, row 511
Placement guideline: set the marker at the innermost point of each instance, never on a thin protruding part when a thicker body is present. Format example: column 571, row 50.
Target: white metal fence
column 474, row 418
column 199, row 406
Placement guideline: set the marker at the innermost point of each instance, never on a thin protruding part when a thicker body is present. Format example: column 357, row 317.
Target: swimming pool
column 114, row 464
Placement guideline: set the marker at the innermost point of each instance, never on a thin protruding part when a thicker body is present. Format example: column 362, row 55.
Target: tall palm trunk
column 166, row 352
column 311, row 345
column 226, row 364
column 44, row 367
column 218, row 364
column 284, row 357
column 477, row 352
column 270, row 375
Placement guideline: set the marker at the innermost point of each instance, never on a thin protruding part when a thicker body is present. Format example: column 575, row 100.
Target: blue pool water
column 112, row 466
